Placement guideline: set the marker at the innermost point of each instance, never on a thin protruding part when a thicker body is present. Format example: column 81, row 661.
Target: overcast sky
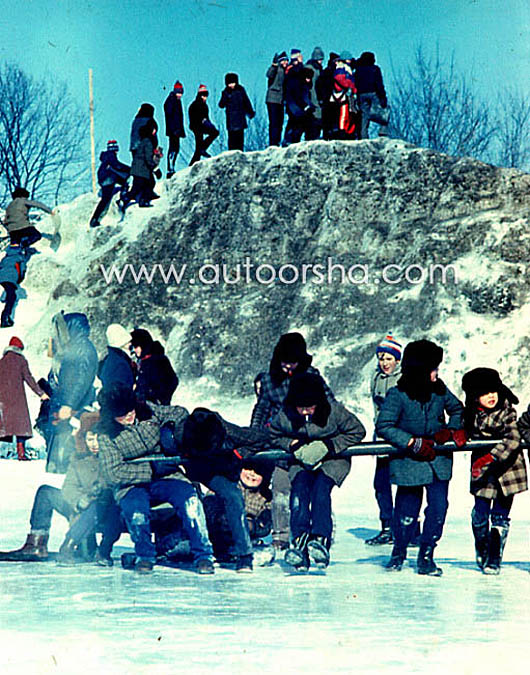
column 138, row 48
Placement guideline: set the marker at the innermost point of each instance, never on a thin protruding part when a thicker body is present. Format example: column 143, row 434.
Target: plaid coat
column 508, row 471
column 271, row 399
column 136, row 440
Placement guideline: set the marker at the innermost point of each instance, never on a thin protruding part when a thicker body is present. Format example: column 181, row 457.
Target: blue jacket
column 111, row 170
column 238, row 106
column 13, row 265
column 402, row 418
column 116, row 368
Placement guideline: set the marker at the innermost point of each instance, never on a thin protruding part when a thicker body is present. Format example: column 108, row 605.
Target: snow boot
column 21, row 451
column 297, row 554
column 6, row 322
column 34, row 550
column 143, row 566
column 384, row 537
column 204, row 566
column 264, row 555
column 482, row 535
column 497, row 540
column 244, row 564
column 426, row 564
column 102, row 559
column 67, row 553
column 318, row 550
column 396, row 560
column 94, row 222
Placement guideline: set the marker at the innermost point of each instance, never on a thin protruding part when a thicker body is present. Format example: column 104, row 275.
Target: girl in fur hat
column 497, row 474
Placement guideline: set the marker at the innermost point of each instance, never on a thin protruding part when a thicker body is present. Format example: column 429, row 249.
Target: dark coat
column 14, row 371
column 156, row 380
column 198, row 112
column 174, row 116
column 144, row 116
column 75, row 362
column 144, row 161
column 368, row 79
column 402, row 418
column 338, row 428
column 297, row 93
column 237, row 106
column 115, row 368
column 111, row 170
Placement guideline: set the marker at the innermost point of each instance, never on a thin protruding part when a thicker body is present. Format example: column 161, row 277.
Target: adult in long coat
column 274, row 97
column 238, row 107
column 174, row 117
column 14, row 372
column 413, row 418
column 156, row 380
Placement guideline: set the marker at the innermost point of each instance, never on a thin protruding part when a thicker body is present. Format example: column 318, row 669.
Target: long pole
column 92, row 143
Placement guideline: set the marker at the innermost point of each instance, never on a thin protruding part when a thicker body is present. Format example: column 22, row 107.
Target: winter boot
column 318, row 550
column 67, row 553
column 497, row 540
column 384, row 537
column 397, row 558
column 204, row 566
column 244, row 564
column 426, row 564
column 6, row 322
column 21, row 451
column 482, row 535
column 102, row 559
column 143, row 566
column 297, row 554
column 94, row 222
column 34, row 549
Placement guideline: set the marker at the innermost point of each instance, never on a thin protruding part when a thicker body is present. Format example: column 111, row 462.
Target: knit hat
column 16, row 342
column 282, row 56
column 480, row 381
column 345, row 55
column 117, row 401
column 295, row 52
column 178, row 87
column 113, row 146
column 231, row 77
column 203, row 89
column 389, row 346
column 117, row 336
column 317, row 54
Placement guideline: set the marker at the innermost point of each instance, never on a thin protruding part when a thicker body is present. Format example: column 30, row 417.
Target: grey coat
column 342, row 429
column 402, row 418
column 275, row 77
column 144, row 161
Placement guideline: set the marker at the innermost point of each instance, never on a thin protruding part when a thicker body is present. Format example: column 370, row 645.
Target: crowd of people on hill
column 199, row 485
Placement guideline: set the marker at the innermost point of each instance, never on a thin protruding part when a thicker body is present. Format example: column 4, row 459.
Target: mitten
column 423, row 449
column 442, row 436
column 158, row 174
column 480, row 465
column 312, row 454
column 459, row 437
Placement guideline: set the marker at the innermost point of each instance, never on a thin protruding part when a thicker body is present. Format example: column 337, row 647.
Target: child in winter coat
column 315, row 430
column 12, row 272
column 238, row 107
column 146, row 159
column 16, row 219
column 497, row 474
column 110, row 172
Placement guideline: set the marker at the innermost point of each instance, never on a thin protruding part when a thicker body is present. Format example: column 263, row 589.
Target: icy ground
column 356, row 618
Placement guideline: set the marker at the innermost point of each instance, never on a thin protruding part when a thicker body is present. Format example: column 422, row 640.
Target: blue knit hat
column 389, row 346
column 113, row 146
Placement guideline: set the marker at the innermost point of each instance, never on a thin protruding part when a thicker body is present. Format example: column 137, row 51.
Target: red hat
column 178, row 87
column 203, row 89
column 16, row 342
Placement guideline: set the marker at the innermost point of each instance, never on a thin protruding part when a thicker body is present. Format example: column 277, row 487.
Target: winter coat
column 272, row 395
column 239, row 443
column 275, row 82
column 111, row 170
column 237, row 106
column 14, row 371
column 116, row 368
column 380, row 385
column 156, row 380
column 174, row 116
column 198, row 112
column 316, row 67
column 13, row 265
column 508, row 471
column 83, row 480
column 343, row 83
column 402, row 418
column 297, row 93
column 339, row 429
column 143, row 117
column 119, row 443
column 144, row 161
column 368, row 79
column 75, row 362
column 16, row 217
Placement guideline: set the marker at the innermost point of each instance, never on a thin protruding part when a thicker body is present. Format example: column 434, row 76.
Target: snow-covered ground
column 355, row 618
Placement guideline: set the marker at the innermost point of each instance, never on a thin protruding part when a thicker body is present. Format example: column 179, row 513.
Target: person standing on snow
column 370, row 90
column 15, row 419
column 238, row 107
column 174, row 116
column 413, row 418
column 17, row 223
column 274, row 98
column 204, row 131
column 497, row 474
column 110, row 172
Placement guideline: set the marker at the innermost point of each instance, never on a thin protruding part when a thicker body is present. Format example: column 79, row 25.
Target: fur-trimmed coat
column 14, row 372
column 508, row 470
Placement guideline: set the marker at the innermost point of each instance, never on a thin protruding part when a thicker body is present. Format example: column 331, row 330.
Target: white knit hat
column 117, row 336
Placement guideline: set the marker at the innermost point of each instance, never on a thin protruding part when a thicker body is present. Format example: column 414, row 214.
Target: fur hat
column 480, row 381
column 367, row 59
column 391, row 346
column 305, row 389
column 16, row 342
column 141, row 338
column 231, row 77
column 20, row 192
column 203, row 432
column 116, row 401
column 291, row 348
column 117, row 336
column 420, row 358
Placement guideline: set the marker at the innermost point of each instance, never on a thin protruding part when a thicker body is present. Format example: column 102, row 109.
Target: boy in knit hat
column 110, row 172
column 204, row 131
column 174, row 125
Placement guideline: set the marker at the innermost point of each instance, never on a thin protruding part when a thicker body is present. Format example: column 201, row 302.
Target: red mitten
column 480, row 464
column 442, row 436
column 423, row 449
column 459, row 437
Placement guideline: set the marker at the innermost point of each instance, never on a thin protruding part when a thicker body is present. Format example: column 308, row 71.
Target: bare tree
column 434, row 106
column 42, row 136
column 512, row 148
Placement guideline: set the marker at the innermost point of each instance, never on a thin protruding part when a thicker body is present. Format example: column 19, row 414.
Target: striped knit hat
column 203, row 89
column 178, row 87
column 389, row 346
column 112, row 145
